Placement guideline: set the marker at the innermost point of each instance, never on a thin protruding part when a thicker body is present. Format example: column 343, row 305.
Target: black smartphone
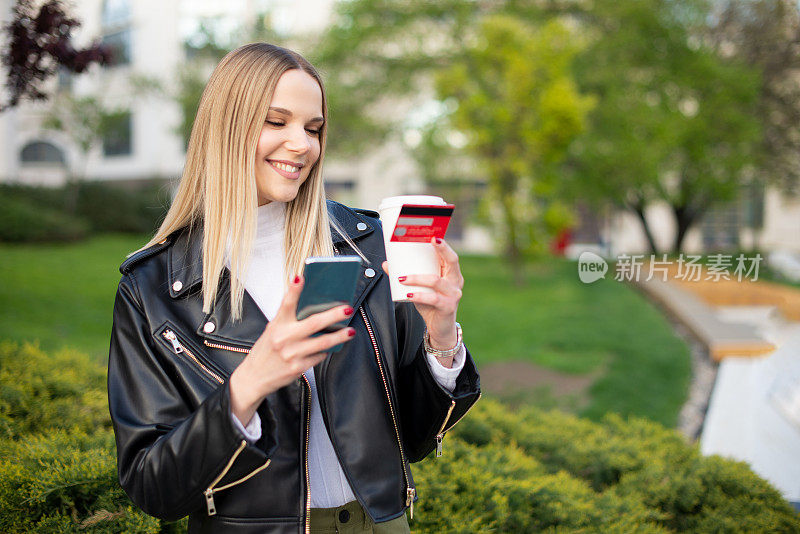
column 329, row 282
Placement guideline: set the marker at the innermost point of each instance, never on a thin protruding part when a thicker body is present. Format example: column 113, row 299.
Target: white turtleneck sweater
column 265, row 282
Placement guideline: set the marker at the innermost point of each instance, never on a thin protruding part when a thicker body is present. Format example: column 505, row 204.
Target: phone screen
column 329, row 282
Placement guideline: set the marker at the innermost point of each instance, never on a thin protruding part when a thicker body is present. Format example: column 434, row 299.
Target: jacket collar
column 185, row 274
column 186, row 254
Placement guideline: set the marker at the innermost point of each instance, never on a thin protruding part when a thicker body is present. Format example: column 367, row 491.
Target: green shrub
column 23, row 221
column 535, row 470
column 42, row 392
column 92, row 206
column 58, row 469
column 112, row 209
column 63, row 482
column 502, row 471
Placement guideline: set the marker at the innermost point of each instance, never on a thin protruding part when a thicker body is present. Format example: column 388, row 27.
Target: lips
column 286, row 169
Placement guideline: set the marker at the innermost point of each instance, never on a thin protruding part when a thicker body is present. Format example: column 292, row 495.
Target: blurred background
column 665, row 129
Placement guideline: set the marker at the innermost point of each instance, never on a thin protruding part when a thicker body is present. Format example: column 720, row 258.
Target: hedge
column 73, row 210
column 501, row 471
column 24, row 222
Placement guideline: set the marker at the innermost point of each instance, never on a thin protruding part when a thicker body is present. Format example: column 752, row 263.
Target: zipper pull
column 209, row 493
column 176, row 345
column 410, row 493
column 439, row 438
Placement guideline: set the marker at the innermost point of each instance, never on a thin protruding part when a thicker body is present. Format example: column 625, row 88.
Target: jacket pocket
column 181, row 347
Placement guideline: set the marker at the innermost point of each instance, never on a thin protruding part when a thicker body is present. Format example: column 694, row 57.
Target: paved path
column 722, row 338
column 753, row 330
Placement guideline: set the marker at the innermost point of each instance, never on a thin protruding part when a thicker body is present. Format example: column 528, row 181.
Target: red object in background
column 560, row 243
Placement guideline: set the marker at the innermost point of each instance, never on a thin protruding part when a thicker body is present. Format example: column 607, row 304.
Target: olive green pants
column 350, row 518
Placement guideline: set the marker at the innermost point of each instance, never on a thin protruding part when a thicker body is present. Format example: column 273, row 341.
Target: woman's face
column 289, row 142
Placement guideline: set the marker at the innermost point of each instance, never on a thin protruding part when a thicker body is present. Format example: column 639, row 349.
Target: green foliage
column 65, row 482
column 517, row 104
column 676, row 121
column 501, row 471
column 23, row 221
column 69, row 212
column 683, row 92
column 546, row 471
column 112, row 209
column 42, row 392
column 58, row 469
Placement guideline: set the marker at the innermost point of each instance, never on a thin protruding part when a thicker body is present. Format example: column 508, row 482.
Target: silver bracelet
column 449, row 353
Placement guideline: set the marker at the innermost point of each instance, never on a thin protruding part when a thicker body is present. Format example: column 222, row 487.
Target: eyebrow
column 289, row 113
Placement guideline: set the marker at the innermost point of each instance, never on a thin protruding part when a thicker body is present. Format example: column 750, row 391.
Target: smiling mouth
column 285, row 166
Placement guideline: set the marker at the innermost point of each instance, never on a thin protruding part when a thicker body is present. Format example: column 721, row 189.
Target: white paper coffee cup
column 407, row 258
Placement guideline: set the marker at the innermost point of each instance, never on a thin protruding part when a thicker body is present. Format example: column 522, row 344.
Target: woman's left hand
column 438, row 309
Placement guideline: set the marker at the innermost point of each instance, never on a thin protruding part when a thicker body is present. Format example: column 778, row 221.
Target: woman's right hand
column 284, row 352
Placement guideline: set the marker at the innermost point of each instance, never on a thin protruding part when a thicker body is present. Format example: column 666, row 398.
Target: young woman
column 225, row 408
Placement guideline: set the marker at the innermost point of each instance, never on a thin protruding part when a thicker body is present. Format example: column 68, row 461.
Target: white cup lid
column 425, row 200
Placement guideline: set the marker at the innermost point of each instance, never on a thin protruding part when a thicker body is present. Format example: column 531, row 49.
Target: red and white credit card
column 418, row 224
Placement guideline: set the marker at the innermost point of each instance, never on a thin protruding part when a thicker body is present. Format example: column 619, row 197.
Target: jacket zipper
column 170, row 336
column 305, row 457
column 225, row 347
column 440, row 434
column 209, row 492
column 308, row 428
column 410, row 491
column 445, row 428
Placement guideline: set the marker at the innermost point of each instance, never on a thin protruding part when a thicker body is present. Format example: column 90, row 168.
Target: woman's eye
column 312, row 132
column 273, row 123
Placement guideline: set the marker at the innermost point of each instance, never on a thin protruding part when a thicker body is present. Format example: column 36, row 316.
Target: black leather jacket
column 179, row 453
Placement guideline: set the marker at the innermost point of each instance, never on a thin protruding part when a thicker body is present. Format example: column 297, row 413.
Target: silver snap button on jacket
column 177, row 286
column 361, row 227
column 209, row 327
column 369, row 273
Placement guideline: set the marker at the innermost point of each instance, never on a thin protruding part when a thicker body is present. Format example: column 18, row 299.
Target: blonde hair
column 217, row 191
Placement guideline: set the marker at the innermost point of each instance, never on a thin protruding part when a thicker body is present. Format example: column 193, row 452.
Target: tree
column 86, row 122
column 518, row 106
column 379, row 60
column 41, row 43
column 675, row 121
column 766, row 35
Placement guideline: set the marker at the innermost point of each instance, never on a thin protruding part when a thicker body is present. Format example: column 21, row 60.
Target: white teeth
column 284, row 167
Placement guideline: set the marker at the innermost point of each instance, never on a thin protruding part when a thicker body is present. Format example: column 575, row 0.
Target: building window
column 120, row 45
column 118, row 135
column 42, row 152
column 117, row 30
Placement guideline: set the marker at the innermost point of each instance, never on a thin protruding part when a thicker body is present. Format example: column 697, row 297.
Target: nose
column 297, row 141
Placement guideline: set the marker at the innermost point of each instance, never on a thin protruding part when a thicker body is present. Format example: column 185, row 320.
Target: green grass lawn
column 64, row 294
column 558, row 322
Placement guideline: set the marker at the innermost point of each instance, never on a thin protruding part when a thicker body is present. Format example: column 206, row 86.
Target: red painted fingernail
column 410, row 295
column 296, row 279
column 348, row 311
column 351, row 332
column 438, row 240
column 402, row 278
